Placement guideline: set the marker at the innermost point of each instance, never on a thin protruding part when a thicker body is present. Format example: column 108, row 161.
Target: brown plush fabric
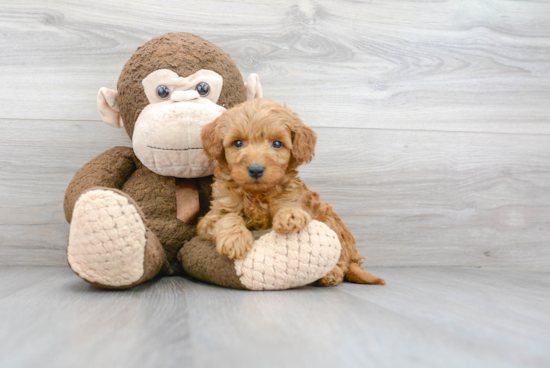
column 184, row 54
column 119, row 168
column 155, row 257
column 110, row 169
column 201, row 260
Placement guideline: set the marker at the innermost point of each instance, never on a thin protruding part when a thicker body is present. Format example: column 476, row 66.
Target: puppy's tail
column 357, row 275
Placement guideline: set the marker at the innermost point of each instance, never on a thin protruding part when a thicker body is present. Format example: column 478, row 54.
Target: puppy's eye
column 163, row 92
column 276, row 144
column 203, row 89
column 238, row 144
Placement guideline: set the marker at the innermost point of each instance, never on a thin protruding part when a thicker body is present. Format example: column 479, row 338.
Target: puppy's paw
column 290, row 220
column 333, row 278
column 235, row 244
column 205, row 229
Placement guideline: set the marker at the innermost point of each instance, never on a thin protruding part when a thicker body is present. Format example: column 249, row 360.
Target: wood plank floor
column 423, row 317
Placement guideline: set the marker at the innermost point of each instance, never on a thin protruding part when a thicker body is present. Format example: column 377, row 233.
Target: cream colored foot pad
column 279, row 261
column 106, row 239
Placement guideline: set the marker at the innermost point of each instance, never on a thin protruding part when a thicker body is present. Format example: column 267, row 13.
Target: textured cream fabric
column 279, row 261
column 107, row 104
column 253, row 87
column 167, row 137
column 106, row 239
column 175, row 83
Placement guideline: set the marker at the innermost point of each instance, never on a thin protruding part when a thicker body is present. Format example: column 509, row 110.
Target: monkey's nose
column 180, row 96
column 256, row 171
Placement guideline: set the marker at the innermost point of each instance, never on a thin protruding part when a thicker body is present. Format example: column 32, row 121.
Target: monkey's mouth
column 175, row 149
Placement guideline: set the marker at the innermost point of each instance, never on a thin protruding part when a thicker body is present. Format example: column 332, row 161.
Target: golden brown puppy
column 258, row 146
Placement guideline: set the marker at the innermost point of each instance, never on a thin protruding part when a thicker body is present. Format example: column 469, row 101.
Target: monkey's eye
column 163, row 92
column 203, row 89
column 277, row 144
column 238, row 144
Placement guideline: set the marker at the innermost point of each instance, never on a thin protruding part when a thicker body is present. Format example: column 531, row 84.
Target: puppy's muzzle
column 255, row 171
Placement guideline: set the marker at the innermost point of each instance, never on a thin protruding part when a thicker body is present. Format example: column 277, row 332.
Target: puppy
column 258, row 146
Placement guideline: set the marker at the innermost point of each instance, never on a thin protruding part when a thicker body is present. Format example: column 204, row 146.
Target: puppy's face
column 257, row 152
column 258, row 142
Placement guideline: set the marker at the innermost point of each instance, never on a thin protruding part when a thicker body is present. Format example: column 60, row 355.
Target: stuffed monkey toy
column 133, row 211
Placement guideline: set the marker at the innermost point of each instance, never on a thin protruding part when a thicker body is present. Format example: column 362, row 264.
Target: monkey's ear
column 212, row 140
column 107, row 104
column 253, row 87
column 303, row 141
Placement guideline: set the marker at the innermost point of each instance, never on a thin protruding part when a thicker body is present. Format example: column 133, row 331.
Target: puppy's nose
column 255, row 171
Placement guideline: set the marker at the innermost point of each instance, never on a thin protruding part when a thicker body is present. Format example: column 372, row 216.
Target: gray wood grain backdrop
column 433, row 116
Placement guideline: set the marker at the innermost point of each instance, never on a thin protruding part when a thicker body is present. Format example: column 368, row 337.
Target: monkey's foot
column 275, row 262
column 109, row 244
column 283, row 261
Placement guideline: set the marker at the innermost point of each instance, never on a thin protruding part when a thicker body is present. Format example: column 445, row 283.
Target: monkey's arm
column 110, row 169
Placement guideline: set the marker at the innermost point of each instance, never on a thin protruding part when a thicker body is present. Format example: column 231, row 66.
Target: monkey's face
column 167, row 133
column 167, row 91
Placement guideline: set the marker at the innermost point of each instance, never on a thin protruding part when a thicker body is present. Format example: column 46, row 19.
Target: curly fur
column 278, row 199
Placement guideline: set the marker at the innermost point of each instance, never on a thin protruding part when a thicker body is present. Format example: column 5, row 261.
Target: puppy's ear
column 303, row 141
column 212, row 140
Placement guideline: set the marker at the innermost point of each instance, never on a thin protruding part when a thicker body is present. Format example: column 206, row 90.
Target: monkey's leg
column 109, row 243
column 275, row 262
